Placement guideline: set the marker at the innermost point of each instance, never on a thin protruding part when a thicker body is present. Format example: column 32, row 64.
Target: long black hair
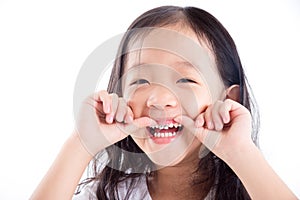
column 219, row 177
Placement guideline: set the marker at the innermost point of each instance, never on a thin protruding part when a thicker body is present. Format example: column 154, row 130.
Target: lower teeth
column 164, row 134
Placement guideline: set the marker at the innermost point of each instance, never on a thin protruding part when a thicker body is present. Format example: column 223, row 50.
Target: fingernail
column 107, row 107
column 210, row 125
column 153, row 122
column 130, row 119
column 177, row 119
column 225, row 119
column 218, row 127
column 197, row 123
column 110, row 118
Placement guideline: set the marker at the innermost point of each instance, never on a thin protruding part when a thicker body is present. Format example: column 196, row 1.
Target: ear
column 233, row 93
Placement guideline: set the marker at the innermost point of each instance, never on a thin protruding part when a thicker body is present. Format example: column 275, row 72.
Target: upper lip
column 165, row 120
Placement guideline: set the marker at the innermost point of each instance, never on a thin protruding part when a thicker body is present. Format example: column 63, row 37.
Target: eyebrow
column 177, row 63
column 184, row 63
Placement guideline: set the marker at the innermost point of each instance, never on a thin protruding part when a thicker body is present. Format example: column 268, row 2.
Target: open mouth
column 165, row 130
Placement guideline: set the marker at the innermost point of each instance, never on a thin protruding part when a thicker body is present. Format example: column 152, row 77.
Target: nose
column 161, row 98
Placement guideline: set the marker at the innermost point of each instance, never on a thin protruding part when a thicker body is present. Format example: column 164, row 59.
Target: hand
column 224, row 128
column 105, row 119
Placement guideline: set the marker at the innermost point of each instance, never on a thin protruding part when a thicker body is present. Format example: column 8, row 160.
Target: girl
column 176, row 87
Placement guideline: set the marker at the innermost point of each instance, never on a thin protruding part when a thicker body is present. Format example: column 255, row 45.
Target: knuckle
column 102, row 93
column 114, row 95
column 228, row 101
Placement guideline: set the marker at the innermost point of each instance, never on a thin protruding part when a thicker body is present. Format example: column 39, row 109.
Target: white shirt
column 140, row 191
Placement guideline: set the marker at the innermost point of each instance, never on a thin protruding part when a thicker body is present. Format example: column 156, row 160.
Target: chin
column 163, row 161
column 181, row 150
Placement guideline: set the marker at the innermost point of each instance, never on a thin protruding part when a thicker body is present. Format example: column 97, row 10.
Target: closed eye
column 140, row 81
column 186, row 80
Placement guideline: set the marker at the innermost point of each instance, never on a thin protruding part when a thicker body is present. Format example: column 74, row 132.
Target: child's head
column 210, row 33
column 162, row 100
column 159, row 48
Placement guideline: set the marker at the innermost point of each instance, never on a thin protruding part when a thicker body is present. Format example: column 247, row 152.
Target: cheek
column 137, row 102
column 195, row 100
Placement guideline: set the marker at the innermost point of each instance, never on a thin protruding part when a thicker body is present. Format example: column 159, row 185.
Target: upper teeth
column 166, row 126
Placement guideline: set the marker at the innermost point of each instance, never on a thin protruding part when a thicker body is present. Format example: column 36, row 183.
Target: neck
column 177, row 181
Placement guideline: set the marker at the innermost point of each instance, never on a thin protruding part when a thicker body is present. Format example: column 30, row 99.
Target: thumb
column 134, row 128
column 209, row 138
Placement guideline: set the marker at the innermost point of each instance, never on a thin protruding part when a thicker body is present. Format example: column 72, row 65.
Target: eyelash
column 140, row 81
column 144, row 81
column 186, row 80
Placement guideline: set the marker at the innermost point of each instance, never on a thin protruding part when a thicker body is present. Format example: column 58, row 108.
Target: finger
column 129, row 115
column 104, row 98
column 216, row 118
column 121, row 110
column 207, row 137
column 224, row 111
column 199, row 121
column 185, row 121
column 136, row 125
column 236, row 107
column 99, row 111
column 114, row 99
column 144, row 121
column 189, row 124
column 208, row 118
column 97, row 101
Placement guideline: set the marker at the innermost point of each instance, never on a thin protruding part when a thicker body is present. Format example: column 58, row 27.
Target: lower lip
column 164, row 140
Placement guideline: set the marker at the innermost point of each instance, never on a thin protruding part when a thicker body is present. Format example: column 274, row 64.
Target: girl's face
column 162, row 86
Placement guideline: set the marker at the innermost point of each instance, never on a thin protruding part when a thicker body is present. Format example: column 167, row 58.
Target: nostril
column 160, row 99
column 157, row 106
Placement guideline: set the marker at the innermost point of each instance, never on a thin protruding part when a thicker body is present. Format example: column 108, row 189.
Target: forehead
column 150, row 57
column 171, row 48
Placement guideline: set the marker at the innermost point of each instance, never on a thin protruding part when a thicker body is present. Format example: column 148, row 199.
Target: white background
column 44, row 43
